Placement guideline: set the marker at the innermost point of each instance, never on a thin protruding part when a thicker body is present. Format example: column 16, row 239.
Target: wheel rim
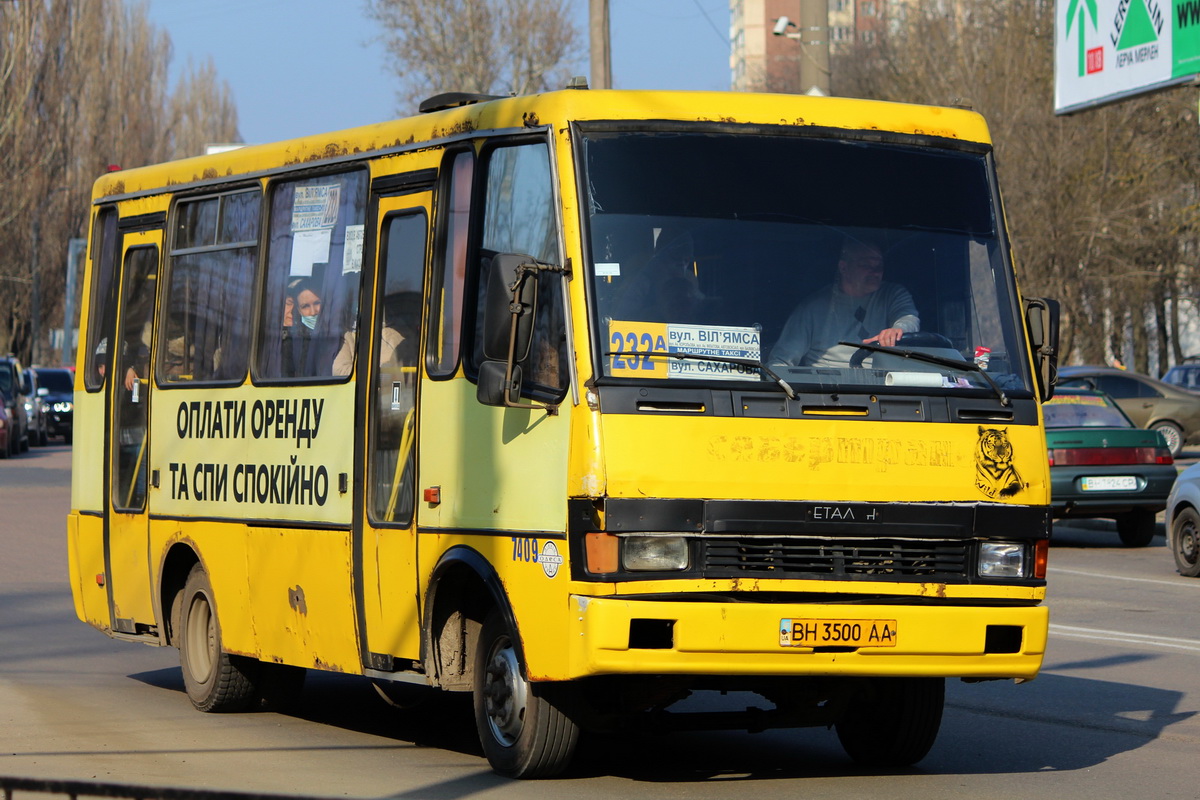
column 504, row 693
column 1185, row 543
column 1171, row 436
column 201, row 635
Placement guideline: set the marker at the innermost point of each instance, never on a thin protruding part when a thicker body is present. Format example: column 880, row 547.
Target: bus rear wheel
column 215, row 681
column 894, row 723
column 523, row 734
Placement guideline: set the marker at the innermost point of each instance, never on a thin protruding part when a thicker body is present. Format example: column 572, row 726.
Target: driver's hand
column 888, row 337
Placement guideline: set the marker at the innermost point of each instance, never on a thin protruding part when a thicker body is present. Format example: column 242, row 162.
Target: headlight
column 63, row 406
column 1001, row 560
column 654, row 553
column 28, row 407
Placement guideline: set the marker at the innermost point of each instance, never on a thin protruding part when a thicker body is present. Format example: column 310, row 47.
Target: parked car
column 7, row 440
column 16, row 391
column 39, row 431
column 56, row 390
column 1185, row 376
column 1102, row 465
column 1150, row 403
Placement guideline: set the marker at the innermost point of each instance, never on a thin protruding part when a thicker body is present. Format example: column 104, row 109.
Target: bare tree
column 202, row 111
column 83, row 85
column 482, row 46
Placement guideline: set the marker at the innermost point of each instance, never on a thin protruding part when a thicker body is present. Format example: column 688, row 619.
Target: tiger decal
column 995, row 474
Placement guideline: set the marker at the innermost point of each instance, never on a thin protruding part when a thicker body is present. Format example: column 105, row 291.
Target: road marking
column 1098, row 634
column 1180, row 582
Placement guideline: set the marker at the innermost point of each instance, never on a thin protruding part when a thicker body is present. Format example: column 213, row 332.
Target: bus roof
column 554, row 109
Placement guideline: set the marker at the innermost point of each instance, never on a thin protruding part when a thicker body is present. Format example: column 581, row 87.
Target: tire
column 1185, row 542
column 6, row 451
column 67, row 437
column 1137, row 528
column 523, row 734
column 215, row 681
column 895, row 723
column 1172, row 434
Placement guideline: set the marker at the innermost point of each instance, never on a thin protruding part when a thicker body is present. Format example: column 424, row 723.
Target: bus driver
column 860, row 306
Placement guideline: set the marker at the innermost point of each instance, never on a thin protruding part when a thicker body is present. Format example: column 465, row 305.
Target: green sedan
column 1102, row 465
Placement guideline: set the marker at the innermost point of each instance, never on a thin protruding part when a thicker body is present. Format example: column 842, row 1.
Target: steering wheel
column 918, row 339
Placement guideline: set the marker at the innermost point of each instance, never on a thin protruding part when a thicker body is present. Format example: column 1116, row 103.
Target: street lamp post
column 812, row 33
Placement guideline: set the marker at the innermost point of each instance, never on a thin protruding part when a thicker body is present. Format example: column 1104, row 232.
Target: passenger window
column 314, row 262
column 519, row 217
column 446, row 293
column 206, row 310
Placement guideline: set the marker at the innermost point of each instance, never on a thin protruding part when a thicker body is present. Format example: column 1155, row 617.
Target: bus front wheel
column 523, row 734
column 894, row 723
column 215, row 680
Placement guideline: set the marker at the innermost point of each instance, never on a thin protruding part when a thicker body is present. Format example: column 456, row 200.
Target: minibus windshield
column 789, row 251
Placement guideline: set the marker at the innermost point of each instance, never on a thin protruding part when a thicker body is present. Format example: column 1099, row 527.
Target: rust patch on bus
column 466, row 126
column 933, row 589
column 115, row 188
column 531, row 119
column 296, row 600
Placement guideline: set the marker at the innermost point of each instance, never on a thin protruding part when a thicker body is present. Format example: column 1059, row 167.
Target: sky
column 297, row 68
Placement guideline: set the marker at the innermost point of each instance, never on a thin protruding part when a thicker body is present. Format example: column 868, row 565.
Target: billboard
column 1107, row 50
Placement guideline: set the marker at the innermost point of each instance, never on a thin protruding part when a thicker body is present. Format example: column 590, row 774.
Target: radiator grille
column 797, row 556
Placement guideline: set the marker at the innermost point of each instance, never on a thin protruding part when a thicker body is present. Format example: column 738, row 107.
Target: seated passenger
column 297, row 339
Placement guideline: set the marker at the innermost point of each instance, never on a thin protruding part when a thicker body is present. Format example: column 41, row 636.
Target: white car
column 1183, row 521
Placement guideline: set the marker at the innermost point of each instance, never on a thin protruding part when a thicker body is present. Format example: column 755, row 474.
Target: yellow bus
column 655, row 393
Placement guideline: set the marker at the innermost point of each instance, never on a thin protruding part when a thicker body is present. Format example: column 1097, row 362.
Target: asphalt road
column 1113, row 714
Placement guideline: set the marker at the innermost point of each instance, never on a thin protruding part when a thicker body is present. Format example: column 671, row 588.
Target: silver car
column 1183, row 521
column 38, row 413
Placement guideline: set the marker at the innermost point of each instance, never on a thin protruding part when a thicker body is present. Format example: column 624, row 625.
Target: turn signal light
column 601, row 549
column 1041, row 558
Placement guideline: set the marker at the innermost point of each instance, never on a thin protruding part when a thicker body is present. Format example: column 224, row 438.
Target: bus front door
column 387, row 372
column 126, row 545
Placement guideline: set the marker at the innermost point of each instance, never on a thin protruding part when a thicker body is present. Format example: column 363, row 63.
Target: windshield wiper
column 945, row 361
column 745, row 362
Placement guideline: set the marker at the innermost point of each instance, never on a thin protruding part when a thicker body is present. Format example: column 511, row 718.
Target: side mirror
column 508, row 312
column 509, row 308
column 493, row 383
column 1041, row 319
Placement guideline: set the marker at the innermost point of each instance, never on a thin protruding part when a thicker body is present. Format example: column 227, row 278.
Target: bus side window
column 519, row 217
column 206, row 310
column 106, row 249
column 315, row 243
column 449, row 273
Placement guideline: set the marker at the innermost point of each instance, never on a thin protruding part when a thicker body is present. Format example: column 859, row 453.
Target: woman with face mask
column 301, row 310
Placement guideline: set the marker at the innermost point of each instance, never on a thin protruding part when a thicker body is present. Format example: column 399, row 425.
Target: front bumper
column 716, row 638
